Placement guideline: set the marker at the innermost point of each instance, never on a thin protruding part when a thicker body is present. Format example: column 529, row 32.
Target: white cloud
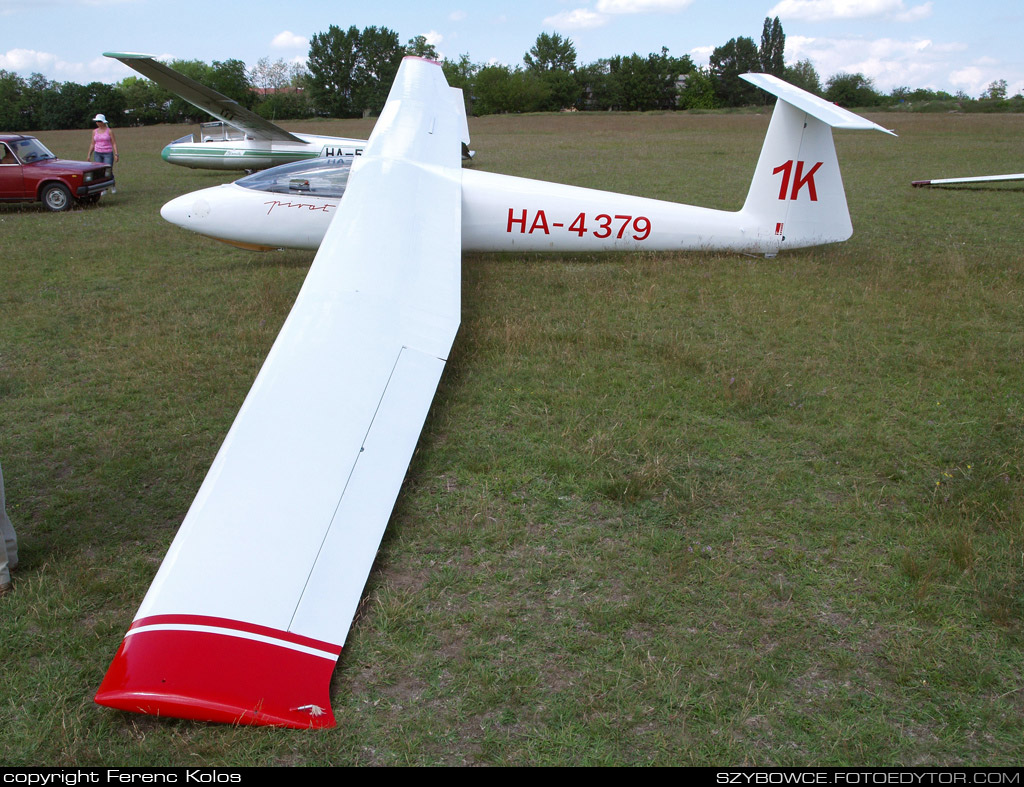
column 915, row 14
column 16, row 7
column 27, row 60
column 889, row 62
column 577, row 19
column 289, row 40
column 701, row 55
column 587, row 19
column 970, row 79
column 829, row 10
column 640, row 6
column 30, row 61
column 976, row 78
column 457, row 16
column 434, row 39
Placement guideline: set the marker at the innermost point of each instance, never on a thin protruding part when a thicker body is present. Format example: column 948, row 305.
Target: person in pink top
column 103, row 148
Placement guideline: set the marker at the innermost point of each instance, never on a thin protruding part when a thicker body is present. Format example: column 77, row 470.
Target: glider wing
column 249, row 611
column 976, row 179
column 207, row 99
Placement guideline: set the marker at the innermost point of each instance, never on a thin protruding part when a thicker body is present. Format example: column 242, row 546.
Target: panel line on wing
column 344, row 489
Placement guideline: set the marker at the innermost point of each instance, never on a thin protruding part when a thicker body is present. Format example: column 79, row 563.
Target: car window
column 6, row 157
column 31, row 149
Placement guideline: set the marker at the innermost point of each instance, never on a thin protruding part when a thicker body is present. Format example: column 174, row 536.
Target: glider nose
column 186, row 211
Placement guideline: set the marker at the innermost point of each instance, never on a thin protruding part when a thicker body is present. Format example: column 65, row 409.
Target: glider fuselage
column 253, row 154
column 499, row 213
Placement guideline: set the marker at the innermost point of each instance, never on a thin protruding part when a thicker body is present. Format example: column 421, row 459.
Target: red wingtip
column 211, row 669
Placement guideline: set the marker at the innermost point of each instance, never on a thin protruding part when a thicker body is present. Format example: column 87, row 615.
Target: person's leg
column 8, row 540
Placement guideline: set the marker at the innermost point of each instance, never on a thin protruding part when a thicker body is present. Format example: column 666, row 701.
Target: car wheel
column 56, row 197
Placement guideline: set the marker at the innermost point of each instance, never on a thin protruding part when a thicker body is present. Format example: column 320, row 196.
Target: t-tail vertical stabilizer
column 797, row 198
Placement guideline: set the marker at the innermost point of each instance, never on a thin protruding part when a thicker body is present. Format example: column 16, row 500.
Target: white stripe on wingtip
column 234, row 633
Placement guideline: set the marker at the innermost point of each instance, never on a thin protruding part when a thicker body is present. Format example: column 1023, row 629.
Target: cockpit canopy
column 320, row 177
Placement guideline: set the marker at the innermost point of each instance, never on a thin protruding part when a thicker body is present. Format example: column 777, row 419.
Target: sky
column 939, row 44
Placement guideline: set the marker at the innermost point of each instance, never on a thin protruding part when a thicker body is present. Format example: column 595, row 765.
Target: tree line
column 348, row 73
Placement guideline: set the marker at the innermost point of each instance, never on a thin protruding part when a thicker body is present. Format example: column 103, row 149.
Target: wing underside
column 207, row 99
column 249, row 611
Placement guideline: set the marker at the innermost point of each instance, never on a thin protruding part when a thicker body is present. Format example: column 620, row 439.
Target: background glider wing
column 249, row 611
column 208, row 100
column 976, row 179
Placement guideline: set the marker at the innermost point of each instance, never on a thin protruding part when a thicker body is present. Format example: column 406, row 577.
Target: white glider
column 249, row 611
column 796, row 199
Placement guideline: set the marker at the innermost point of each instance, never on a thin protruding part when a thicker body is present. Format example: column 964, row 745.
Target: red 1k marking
column 799, row 181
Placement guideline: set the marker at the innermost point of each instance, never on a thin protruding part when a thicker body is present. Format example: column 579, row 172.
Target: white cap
column 100, row 119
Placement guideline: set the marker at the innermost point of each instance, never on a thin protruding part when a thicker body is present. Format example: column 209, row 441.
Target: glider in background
column 249, row 611
column 958, row 181
column 241, row 140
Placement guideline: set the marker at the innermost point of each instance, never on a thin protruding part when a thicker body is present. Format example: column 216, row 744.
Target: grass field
column 667, row 509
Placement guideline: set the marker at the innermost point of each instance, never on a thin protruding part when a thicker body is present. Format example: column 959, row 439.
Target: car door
column 11, row 180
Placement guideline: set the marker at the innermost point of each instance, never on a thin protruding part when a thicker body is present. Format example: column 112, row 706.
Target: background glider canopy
column 218, row 105
column 248, row 613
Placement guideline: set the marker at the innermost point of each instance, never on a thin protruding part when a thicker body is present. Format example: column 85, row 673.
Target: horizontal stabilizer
column 815, row 106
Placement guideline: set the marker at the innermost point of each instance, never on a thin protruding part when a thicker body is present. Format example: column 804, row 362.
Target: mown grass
column 667, row 509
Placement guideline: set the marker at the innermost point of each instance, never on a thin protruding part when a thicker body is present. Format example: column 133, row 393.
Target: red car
column 30, row 172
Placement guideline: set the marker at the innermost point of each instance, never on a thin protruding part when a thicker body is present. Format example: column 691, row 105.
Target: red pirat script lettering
column 307, row 205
